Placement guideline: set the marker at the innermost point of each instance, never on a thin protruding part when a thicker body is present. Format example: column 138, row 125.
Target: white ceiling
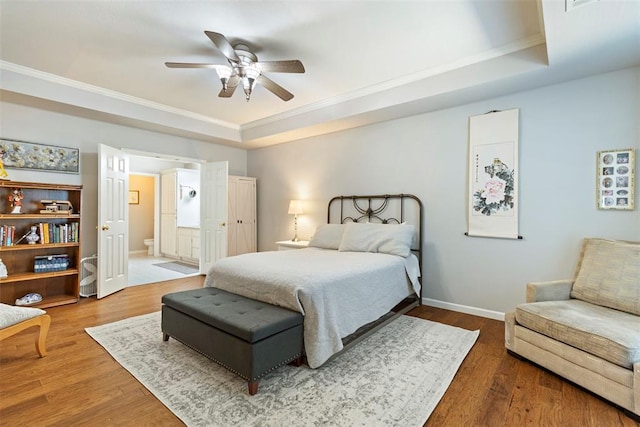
column 366, row 61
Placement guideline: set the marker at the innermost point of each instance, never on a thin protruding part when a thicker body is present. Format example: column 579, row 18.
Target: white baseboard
column 496, row 315
column 141, row 251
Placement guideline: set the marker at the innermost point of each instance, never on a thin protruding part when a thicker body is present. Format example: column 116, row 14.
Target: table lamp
column 295, row 209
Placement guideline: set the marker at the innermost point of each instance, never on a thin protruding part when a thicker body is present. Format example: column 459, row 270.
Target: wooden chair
column 40, row 319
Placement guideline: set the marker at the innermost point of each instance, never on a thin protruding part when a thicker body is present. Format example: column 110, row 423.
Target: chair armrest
column 557, row 290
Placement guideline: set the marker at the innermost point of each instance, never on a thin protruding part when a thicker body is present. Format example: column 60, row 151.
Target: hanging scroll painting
column 493, row 175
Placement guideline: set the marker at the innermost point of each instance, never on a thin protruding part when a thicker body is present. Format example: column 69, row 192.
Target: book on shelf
column 7, row 235
column 49, row 233
column 59, row 233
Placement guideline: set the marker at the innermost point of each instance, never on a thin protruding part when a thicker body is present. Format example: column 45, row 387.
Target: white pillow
column 393, row 239
column 327, row 236
column 11, row 315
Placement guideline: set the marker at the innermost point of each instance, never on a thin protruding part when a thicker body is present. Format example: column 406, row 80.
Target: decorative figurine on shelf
column 32, row 237
column 15, row 199
column 3, row 173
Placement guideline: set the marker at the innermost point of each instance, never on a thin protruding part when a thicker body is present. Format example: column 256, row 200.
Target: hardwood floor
column 78, row 383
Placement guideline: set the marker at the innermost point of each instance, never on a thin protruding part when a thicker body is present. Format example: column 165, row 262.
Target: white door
column 233, row 218
column 246, row 206
column 168, row 214
column 113, row 220
column 213, row 213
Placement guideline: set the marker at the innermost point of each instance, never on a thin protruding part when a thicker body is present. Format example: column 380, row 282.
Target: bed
column 361, row 270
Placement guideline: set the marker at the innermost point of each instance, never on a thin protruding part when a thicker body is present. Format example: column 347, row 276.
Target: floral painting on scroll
column 494, row 183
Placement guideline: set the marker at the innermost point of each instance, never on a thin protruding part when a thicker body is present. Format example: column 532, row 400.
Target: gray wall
column 561, row 129
column 18, row 121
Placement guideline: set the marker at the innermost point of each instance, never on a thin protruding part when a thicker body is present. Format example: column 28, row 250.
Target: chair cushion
column 12, row 315
column 609, row 275
column 247, row 319
column 606, row 333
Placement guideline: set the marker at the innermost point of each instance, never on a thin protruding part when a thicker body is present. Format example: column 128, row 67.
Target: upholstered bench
column 248, row 337
column 16, row 319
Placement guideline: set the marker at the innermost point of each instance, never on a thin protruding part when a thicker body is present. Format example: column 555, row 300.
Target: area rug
column 394, row 377
column 180, row 267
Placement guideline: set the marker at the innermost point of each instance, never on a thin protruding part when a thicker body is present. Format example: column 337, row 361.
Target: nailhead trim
column 233, row 370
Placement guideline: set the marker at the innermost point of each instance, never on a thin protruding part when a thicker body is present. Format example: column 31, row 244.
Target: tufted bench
column 248, row 337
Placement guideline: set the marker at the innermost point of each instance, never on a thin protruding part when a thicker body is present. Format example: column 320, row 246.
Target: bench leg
column 253, row 387
column 41, row 344
column 42, row 321
column 297, row 362
column 165, row 337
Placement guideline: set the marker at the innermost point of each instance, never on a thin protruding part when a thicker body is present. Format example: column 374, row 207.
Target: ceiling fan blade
column 223, row 44
column 274, row 87
column 232, row 84
column 193, row 65
column 292, row 66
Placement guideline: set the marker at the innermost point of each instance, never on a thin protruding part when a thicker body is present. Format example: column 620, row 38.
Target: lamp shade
column 295, row 207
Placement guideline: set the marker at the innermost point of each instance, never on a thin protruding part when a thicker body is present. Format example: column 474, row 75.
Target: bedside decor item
column 29, row 155
column 15, row 200
column 295, row 209
column 615, row 176
column 493, row 175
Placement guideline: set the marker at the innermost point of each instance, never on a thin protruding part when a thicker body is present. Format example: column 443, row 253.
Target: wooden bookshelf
column 56, row 287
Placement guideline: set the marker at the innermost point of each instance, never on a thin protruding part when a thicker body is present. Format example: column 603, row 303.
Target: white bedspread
column 337, row 292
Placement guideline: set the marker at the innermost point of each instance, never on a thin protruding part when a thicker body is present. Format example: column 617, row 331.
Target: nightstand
column 286, row 245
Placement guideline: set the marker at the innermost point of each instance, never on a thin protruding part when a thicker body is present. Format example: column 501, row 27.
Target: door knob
column 222, row 224
column 105, row 227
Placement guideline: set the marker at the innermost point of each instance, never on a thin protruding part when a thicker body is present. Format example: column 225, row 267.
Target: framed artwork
column 493, row 175
column 29, row 155
column 134, row 197
column 615, row 179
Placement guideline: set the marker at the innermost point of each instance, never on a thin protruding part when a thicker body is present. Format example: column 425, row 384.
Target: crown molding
column 522, row 44
column 97, row 90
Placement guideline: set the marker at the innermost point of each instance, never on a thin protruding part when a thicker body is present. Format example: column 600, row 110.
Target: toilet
column 149, row 244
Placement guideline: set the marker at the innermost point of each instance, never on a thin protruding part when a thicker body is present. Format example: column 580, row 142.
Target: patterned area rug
column 394, row 377
column 180, row 267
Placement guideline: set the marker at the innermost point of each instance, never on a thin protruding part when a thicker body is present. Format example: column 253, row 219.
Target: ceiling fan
column 244, row 68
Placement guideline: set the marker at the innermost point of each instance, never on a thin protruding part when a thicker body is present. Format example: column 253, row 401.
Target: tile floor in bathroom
column 142, row 270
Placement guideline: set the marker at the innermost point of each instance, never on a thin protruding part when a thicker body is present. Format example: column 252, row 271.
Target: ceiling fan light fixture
column 244, row 67
column 224, row 73
column 249, row 77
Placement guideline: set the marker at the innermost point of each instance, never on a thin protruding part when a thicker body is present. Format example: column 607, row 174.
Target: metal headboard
column 385, row 208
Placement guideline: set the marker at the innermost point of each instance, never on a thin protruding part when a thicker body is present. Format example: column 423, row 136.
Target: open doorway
column 209, row 241
column 147, row 263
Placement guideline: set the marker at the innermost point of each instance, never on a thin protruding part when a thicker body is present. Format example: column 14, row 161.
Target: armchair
column 587, row 329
